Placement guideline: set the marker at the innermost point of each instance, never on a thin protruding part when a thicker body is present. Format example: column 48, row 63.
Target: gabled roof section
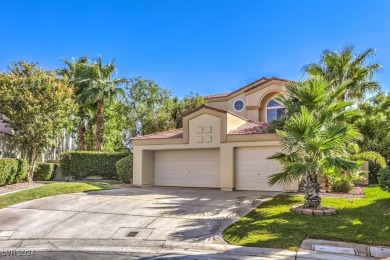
column 212, row 108
column 175, row 133
column 245, row 88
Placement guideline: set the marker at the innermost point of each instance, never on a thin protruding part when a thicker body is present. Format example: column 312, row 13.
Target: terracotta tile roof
column 217, row 95
column 250, row 127
column 175, row 133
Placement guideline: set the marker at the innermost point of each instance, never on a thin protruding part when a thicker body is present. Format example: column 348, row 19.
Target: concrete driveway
column 134, row 215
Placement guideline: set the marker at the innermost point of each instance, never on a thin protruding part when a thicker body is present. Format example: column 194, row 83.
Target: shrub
column 44, row 171
column 22, row 170
column 384, row 179
column 84, row 164
column 12, row 170
column 124, row 169
column 344, row 182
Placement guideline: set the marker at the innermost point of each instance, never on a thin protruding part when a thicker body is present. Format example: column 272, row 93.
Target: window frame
column 243, row 105
column 269, row 108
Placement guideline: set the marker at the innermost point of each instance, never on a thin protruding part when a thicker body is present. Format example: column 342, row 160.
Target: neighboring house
column 6, row 134
column 224, row 144
column 64, row 143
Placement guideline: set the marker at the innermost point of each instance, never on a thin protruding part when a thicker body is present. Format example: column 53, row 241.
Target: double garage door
column 200, row 168
column 187, row 168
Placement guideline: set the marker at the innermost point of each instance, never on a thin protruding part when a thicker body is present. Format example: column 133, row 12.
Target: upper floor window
column 274, row 110
column 238, row 105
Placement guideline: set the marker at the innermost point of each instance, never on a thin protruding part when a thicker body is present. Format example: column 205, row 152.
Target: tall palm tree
column 102, row 87
column 340, row 66
column 314, row 135
column 74, row 72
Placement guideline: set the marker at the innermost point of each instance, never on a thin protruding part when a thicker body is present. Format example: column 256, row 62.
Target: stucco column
column 143, row 167
column 226, row 168
column 137, row 166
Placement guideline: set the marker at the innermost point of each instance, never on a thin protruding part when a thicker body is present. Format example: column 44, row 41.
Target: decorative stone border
column 322, row 211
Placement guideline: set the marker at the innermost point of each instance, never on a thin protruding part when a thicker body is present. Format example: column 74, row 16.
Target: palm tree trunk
column 99, row 125
column 81, row 137
column 90, row 129
column 312, row 190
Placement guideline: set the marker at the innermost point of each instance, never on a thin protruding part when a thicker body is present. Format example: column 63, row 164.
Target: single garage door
column 187, row 168
column 252, row 168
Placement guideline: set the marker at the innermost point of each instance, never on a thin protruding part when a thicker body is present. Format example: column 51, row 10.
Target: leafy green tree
column 345, row 65
column 188, row 103
column 374, row 125
column 114, row 125
column 148, row 107
column 101, row 87
column 315, row 135
column 38, row 106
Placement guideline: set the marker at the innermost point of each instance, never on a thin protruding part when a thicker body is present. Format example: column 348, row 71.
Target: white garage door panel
column 252, row 168
column 187, row 168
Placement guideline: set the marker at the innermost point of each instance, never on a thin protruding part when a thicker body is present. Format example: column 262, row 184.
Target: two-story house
column 224, row 144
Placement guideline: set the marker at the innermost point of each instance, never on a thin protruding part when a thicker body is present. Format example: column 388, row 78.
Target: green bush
column 384, row 179
column 124, row 169
column 12, row 170
column 344, row 182
column 44, row 171
column 22, row 170
column 84, row 164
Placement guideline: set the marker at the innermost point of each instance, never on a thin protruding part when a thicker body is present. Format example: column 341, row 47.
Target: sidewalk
column 125, row 249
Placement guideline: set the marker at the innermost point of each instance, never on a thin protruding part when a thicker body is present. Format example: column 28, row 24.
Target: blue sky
column 202, row 46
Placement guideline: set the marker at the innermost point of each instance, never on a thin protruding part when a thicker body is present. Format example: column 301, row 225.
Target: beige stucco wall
column 143, row 167
column 219, row 104
column 204, row 131
column 253, row 114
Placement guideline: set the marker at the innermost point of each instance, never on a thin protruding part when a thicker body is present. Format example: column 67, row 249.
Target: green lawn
column 51, row 189
column 272, row 224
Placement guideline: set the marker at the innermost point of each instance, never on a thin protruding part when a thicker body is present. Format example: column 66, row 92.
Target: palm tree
column 340, row 66
column 74, row 72
column 314, row 135
column 101, row 87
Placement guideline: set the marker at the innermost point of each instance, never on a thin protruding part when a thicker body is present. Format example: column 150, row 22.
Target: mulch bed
column 356, row 192
column 19, row 186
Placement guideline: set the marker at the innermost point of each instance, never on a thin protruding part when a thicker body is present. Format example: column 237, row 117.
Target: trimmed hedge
column 124, row 169
column 83, row 164
column 384, row 179
column 12, row 170
column 44, row 171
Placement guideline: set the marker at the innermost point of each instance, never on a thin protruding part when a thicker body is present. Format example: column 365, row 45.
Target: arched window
column 274, row 110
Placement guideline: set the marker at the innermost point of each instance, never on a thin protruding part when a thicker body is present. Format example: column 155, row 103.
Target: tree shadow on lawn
column 274, row 225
